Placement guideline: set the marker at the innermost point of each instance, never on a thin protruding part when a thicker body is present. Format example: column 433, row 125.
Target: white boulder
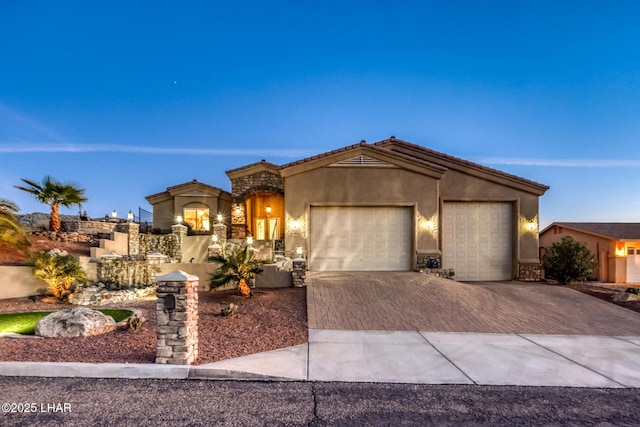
column 74, row 322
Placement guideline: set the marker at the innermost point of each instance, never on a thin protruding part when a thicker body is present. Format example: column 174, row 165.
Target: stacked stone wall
column 121, row 272
column 89, row 227
column 165, row 244
column 529, row 272
column 246, row 184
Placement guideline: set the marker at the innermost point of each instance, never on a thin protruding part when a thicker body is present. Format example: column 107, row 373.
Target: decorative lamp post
column 130, row 216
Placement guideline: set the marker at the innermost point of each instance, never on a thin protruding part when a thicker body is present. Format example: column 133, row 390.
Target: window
column 198, row 219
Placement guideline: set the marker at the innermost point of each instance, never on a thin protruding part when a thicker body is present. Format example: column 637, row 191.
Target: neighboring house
column 392, row 205
column 198, row 204
column 614, row 245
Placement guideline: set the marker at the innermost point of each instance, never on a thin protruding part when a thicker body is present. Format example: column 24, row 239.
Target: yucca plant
column 236, row 265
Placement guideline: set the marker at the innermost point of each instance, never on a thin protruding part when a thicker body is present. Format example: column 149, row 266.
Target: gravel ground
column 271, row 319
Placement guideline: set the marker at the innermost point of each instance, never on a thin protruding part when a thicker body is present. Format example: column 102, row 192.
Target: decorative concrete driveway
column 416, row 302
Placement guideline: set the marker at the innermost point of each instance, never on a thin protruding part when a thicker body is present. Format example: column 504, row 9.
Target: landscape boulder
column 74, row 322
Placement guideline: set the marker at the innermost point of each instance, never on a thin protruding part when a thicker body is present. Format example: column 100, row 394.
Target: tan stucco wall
column 602, row 249
column 358, row 187
column 195, row 247
column 19, row 282
column 164, row 213
column 458, row 186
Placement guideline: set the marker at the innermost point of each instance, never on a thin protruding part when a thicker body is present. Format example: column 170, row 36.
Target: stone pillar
column 238, row 221
column 133, row 236
column 180, row 231
column 220, row 230
column 177, row 318
column 298, row 275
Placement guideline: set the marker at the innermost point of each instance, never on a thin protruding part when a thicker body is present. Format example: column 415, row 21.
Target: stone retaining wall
column 530, row 272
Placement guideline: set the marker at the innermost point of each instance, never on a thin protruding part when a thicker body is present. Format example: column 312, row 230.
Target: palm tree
column 54, row 193
column 236, row 265
column 11, row 231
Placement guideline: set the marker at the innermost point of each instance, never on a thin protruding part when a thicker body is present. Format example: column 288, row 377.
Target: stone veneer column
column 177, row 327
column 133, row 236
column 180, row 231
column 298, row 275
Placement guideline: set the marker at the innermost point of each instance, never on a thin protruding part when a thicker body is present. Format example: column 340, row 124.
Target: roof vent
column 362, row 161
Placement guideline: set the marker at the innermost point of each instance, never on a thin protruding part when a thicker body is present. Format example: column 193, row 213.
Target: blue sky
column 127, row 98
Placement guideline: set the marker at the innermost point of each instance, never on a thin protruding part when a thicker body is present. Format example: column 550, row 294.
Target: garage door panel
column 477, row 240
column 360, row 239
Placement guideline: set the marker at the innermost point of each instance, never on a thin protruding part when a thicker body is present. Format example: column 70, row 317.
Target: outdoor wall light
column 114, row 214
column 214, row 238
column 268, row 209
column 219, row 218
column 249, row 240
column 299, row 250
column 179, row 219
column 130, row 216
column 295, row 224
column 531, row 226
column 429, row 225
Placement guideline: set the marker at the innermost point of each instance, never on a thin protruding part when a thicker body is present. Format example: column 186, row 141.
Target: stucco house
column 391, row 205
column 197, row 203
column 614, row 245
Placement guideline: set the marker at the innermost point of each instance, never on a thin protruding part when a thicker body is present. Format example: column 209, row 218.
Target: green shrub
column 567, row 261
column 59, row 270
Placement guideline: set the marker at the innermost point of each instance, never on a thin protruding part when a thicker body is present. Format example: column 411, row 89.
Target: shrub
column 568, row 260
column 59, row 270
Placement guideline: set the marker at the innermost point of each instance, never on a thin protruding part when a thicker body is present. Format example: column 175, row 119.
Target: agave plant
column 236, row 265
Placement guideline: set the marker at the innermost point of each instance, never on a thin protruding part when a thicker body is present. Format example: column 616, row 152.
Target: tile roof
column 185, row 184
column 374, row 147
column 614, row 230
column 261, row 162
column 395, row 141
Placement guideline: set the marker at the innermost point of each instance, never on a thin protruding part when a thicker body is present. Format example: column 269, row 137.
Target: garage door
column 360, row 239
column 477, row 240
column 633, row 265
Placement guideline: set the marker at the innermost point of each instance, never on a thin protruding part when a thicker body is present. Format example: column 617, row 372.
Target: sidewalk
column 402, row 357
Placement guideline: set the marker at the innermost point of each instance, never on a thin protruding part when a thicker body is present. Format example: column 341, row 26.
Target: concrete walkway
column 447, row 333
column 402, row 357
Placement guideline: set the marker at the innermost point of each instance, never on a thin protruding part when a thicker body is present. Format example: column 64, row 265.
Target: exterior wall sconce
column 238, row 210
column 531, row 226
column 249, row 240
column 219, row 218
column 268, row 209
column 114, row 214
column 130, row 216
column 295, row 224
column 214, row 238
column 179, row 219
column 299, row 251
column 429, row 225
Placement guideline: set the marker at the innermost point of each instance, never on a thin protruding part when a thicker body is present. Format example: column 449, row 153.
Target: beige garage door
column 360, row 239
column 633, row 265
column 477, row 240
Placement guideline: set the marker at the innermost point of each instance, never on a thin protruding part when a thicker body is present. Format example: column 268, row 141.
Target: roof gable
column 187, row 189
column 454, row 163
column 257, row 167
column 362, row 155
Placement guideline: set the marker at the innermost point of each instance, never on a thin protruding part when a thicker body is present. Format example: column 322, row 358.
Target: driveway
column 410, row 301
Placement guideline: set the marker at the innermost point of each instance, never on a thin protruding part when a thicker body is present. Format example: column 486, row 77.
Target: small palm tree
column 236, row 265
column 54, row 193
column 59, row 270
column 11, row 231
